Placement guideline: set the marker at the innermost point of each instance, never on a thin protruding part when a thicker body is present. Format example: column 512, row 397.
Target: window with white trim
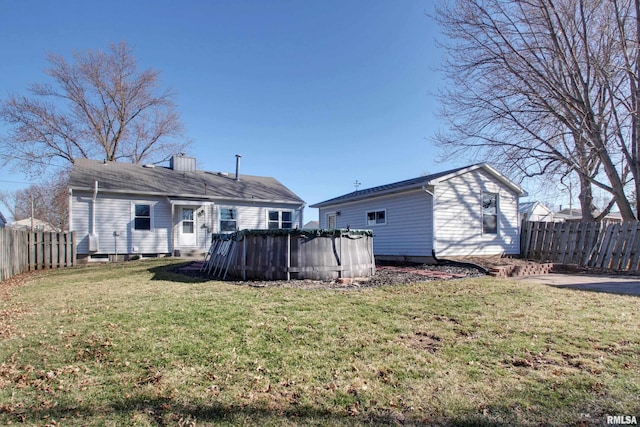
column 141, row 216
column 279, row 219
column 228, row 220
column 377, row 217
column 489, row 213
column 331, row 221
column 188, row 222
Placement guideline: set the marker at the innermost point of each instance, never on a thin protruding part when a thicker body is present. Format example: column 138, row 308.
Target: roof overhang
column 196, row 197
column 357, row 197
column 428, row 184
column 188, row 202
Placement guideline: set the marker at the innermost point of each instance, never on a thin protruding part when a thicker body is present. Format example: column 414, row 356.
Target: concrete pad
column 625, row 285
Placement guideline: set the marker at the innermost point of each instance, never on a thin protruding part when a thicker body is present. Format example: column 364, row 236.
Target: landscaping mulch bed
column 385, row 275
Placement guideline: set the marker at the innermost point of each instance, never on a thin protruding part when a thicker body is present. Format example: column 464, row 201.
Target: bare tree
column 98, row 106
column 46, row 202
column 539, row 88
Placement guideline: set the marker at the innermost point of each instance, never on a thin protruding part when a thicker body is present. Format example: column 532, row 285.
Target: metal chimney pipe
column 238, row 167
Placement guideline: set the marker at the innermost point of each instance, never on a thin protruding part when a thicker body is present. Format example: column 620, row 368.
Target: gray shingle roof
column 137, row 179
column 414, row 183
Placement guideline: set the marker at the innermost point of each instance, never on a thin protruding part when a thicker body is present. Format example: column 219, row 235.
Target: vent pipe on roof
column 238, row 167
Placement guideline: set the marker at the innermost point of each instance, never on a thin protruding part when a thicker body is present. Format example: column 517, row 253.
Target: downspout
column 93, row 207
column 301, row 208
column 70, row 218
column 172, row 228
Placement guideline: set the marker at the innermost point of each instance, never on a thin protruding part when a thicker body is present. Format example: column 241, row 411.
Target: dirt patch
column 422, row 341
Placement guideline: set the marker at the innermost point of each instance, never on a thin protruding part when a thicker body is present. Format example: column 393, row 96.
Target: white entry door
column 188, row 227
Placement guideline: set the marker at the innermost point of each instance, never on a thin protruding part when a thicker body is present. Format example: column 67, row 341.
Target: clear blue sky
column 318, row 94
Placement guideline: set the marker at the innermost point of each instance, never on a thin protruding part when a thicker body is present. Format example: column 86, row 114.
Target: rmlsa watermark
column 622, row 419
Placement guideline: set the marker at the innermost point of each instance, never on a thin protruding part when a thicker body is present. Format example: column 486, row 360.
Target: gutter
column 198, row 196
column 359, row 197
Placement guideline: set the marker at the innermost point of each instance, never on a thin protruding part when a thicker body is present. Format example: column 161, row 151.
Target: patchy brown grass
column 134, row 344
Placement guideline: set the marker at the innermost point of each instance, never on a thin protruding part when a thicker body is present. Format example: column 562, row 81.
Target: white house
column 575, row 215
column 29, row 224
column 471, row 210
column 535, row 211
column 126, row 209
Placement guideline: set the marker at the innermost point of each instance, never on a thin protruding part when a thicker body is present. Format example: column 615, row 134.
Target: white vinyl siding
column 458, row 217
column 450, row 222
column 116, row 213
column 408, row 229
column 80, row 208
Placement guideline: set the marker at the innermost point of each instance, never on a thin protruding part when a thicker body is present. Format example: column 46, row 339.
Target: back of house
column 471, row 210
column 120, row 209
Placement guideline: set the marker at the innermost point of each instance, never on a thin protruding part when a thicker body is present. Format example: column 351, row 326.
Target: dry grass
column 132, row 344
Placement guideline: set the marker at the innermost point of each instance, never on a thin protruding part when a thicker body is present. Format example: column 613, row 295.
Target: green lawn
column 132, row 344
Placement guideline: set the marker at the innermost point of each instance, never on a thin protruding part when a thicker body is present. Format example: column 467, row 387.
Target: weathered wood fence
column 22, row 251
column 614, row 246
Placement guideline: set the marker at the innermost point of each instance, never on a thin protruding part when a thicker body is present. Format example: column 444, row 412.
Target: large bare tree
column 98, row 106
column 546, row 87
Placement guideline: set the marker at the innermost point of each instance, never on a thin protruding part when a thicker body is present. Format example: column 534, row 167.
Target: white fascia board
column 187, row 196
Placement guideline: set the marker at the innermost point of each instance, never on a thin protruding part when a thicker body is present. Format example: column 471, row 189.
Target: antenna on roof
column 357, row 184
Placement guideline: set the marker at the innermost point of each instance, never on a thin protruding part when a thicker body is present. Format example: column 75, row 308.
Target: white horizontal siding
column 408, row 231
column 80, row 216
column 114, row 213
column 156, row 240
column 458, row 217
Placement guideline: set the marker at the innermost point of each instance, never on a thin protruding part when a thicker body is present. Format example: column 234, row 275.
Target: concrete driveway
column 626, row 285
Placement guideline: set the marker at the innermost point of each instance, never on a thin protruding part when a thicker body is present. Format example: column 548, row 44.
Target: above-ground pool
column 292, row 254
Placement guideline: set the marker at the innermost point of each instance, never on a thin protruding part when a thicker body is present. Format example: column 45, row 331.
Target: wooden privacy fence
column 22, row 251
column 613, row 246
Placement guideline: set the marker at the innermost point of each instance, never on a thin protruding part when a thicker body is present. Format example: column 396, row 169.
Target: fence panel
column 611, row 246
column 22, row 251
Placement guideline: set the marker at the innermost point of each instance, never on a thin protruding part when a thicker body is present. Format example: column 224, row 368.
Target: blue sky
column 318, row 94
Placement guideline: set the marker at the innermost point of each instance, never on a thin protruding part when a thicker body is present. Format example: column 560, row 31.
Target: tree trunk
column 586, row 199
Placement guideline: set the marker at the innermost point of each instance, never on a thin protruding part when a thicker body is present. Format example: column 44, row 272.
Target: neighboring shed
column 471, row 210
column 535, row 211
column 126, row 209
